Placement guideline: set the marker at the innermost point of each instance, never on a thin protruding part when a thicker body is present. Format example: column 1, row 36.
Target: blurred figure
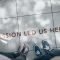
column 46, row 53
column 45, row 45
column 19, row 55
column 37, row 50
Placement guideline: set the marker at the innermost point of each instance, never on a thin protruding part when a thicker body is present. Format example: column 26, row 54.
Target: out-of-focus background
column 24, row 15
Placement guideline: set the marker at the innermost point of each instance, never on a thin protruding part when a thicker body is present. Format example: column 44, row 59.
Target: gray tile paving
column 21, row 15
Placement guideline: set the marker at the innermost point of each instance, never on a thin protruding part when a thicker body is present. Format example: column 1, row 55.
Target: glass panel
column 36, row 23
column 7, row 8
column 57, row 24
column 55, row 5
column 8, row 40
column 28, row 7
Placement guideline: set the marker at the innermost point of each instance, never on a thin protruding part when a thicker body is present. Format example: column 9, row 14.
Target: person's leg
column 10, row 55
column 21, row 57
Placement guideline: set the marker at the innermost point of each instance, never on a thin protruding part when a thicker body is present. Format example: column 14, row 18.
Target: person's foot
column 37, row 50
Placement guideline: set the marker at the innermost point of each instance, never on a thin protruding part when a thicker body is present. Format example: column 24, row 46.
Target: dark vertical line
column 17, row 18
column 17, row 14
column 53, row 24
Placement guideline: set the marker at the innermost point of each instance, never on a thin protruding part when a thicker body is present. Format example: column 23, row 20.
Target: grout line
column 30, row 15
column 53, row 24
column 40, row 13
column 17, row 15
column 17, row 21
